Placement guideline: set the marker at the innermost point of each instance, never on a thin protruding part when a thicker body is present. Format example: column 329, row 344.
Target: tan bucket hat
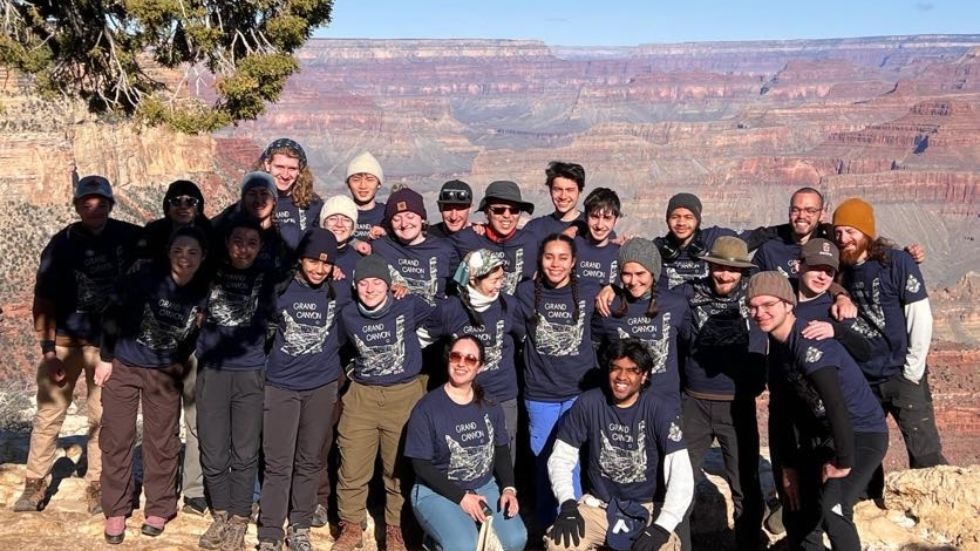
column 729, row 251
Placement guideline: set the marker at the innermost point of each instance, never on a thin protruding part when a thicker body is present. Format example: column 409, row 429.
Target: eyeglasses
column 467, row 360
column 340, row 220
column 183, row 201
column 764, row 307
column 456, row 196
column 505, row 209
column 809, row 210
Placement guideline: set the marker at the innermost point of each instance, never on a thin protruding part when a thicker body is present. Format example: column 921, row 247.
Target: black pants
column 734, row 424
column 296, row 426
column 229, row 431
column 910, row 405
column 829, row 507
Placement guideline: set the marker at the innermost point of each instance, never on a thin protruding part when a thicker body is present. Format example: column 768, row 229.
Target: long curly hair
column 301, row 192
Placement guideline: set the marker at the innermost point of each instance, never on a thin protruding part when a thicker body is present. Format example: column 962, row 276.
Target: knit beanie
column 404, row 200
column 179, row 188
column 285, row 143
column 771, row 283
column 372, row 265
column 367, row 164
column 687, row 201
column 857, row 214
column 320, row 244
column 338, row 204
column 644, row 252
column 259, row 179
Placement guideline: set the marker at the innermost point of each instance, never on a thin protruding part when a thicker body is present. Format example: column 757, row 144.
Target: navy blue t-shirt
column 388, row 349
column 238, row 309
column 625, row 445
column 346, row 260
column 807, row 357
column 458, row 440
column 781, row 254
column 368, row 218
column 305, row 352
column 499, row 374
column 687, row 266
column 294, row 221
column 599, row 265
column 78, row 272
column 425, row 267
column 520, row 254
column 558, row 353
column 660, row 334
column 550, row 223
column 881, row 292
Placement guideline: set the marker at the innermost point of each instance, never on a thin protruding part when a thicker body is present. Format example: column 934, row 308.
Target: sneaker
column 195, row 506
column 393, row 539
column 269, row 546
column 774, row 520
column 235, row 529
column 298, row 539
column 32, row 498
column 215, row 534
column 351, row 537
column 320, row 517
column 253, row 517
column 93, row 498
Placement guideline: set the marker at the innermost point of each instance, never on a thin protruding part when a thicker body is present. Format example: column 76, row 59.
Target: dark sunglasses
column 458, row 196
column 183, row 201
column 468, row 360
column 502, row 210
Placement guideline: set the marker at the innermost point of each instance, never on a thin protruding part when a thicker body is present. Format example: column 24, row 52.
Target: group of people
column 289, row 326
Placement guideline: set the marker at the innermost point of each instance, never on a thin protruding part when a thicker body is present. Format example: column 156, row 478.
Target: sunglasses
column 468, row 360
column 458, row 196
column 183, row 201
column 502, row 210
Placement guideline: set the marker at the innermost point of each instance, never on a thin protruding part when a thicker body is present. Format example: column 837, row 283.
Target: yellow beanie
column 857, row 214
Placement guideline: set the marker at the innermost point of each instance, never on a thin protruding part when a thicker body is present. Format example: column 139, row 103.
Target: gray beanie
column 259, row 179
column 687, row 201
column 644, row 252
column 372, row 265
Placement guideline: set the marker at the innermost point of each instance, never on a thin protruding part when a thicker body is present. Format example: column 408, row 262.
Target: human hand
column 818, row 330
column 508, row 504
column 603, row 301
column 54, row 368
column 473, row 504
column 831, row 471
column 102, row 372
column 569, row 527
column 843, row 308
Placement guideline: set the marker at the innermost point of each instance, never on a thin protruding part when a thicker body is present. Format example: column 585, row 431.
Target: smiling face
column 724, row 279
column 503, row 217
column 557, row 262
column 455, row 216
column 564, row 195
column 769, row 312
column 464, row 363
column 182, row 209
column 372, row 291
column 340, row 226
column 259, row 203
column 815, row 280
column 363, row 187
column 490, row 284
column 804, row 213
column 682, row 224
column 853, row 244
column 626, row 380
column 186, row 255
column 315, row 271
column 243, row 247
column 407, row 227
column 93, row 210
column 284, row 169
column 636, row 279
column 601, row 223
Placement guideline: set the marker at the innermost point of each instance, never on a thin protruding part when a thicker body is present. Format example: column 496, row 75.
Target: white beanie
column 338, row 204
column 367, row 164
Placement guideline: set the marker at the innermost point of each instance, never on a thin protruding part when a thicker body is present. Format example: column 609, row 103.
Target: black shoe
column 150, row 530
column 195, row 506
column 114, row 539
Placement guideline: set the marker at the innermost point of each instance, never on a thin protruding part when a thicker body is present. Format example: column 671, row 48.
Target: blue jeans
column 543, row 418
column 454, row 530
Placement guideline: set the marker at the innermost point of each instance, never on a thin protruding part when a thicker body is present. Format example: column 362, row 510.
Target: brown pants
column 596, row 525
column 373, row 416
column 158, row 390
column 52, row 407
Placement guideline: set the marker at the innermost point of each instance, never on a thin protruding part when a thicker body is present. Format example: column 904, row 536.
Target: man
column 79, row 267
column 895, row 315
column 502, row 205
column 364, row 178
column 455, row 202
column 632, row 436
column 565, row 183
column 258, row 202
column 597, row 251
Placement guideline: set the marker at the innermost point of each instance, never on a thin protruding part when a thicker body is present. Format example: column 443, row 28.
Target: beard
column 850, row 257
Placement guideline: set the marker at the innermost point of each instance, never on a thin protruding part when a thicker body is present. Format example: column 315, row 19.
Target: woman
column 457, row 442
column 183, row 205
column 297, row 205
column 148, row 330
column 300, row 391
column 339, row 215
column 556, row 310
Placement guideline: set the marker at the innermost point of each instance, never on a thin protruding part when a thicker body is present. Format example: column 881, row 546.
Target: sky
column 632, row 22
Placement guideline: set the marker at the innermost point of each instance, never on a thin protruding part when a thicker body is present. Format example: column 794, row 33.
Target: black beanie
column 687, row 201
column 183, row 187
column 320, row 244
column 372, row 265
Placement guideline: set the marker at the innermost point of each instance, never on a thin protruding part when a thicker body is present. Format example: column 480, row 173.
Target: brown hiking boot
column 393, row 539
column 93, row 498
column 215, row 534
column 351, row 537
column 32, row 499
column 234, row 539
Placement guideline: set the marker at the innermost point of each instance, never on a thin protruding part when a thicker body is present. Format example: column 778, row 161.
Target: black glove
column 652, row 538
column 569, row 527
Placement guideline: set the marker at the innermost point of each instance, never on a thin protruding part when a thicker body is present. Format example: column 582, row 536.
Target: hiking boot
column 195, row 506
column 393, row 539
column 298, row 539
column 115, row 530
column 32, row 499
column 320, row 517
column 235, row 529
column 153, row 526
column 774, row 520
column 269, row 546
column 351, row 537
column 215, row 534
column 253, row 517
column 93, row 498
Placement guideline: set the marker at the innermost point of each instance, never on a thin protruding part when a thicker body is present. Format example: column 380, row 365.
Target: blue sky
column 631, row 22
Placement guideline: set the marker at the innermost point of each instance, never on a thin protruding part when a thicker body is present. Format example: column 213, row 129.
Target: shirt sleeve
column 419, row 435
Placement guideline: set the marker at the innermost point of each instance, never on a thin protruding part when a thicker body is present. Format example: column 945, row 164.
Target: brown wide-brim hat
column 729, row 251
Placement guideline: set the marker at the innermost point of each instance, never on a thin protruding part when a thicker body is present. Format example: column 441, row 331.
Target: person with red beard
column 894, row 314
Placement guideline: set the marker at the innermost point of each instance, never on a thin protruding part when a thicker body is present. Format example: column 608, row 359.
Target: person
column 481, row 310
column 78, row 268
column 230, row 381
column 364, row 179
column 258, row 202
column 658, row 318
column 565, row 182
column 423, row 264
column 458, row 443
column 829, row 432
column 301, row 388
column 723, row 373
column 502, row 205
column 149, row 329
column 597, row 251
column 297, row 205
column 455, row 202
column 183, row 205
column 895, row 315
column 635, row 449
column 384, row 387
column 559, row 360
